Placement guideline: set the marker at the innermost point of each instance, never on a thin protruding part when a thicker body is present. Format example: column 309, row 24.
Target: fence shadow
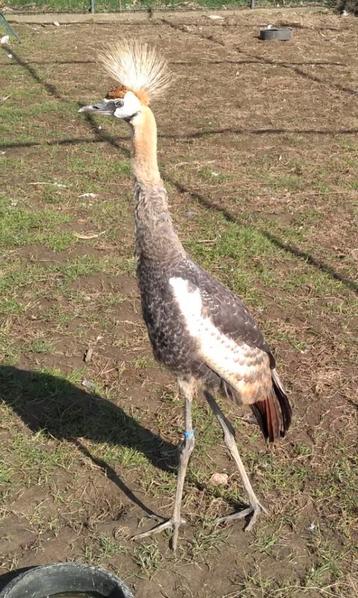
column 267, row 61
column 298, row 71
column 176, row 62
column 47, row 62
column 291, row 249
column 101, row 134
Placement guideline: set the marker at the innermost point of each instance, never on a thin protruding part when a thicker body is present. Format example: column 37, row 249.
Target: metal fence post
column 93, row 6
column 7, row 26
column 252, row 3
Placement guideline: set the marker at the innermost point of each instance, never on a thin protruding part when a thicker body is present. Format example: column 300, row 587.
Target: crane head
column 141, row 74
column 119, row 102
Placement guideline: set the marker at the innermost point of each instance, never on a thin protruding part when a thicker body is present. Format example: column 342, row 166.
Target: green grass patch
column 284, row 182
column 148, row 557
column 20, row 227
column 30, row 111
column 33, row 457
column 16, row 275
column 112, row 5
column 277, row 476
column 128, row 457
column 39, row 345
column 100, row 165
column 9, row 349
column 207, row 538
column 109, row 547
column 88, row 264
column 21, row 120
column 9, row 306
column 237, row 254
column 5, row 473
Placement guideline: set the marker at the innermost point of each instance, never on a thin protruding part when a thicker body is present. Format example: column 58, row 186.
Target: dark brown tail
column 274, row 413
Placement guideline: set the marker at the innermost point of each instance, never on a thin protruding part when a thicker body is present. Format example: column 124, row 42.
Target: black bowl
column 282, row 34
column 49, row 580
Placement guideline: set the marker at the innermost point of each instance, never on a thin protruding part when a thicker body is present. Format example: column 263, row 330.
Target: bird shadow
column 64, row 411
column 61, row 410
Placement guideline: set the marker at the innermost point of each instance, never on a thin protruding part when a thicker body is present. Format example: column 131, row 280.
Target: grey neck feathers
column 156, row 238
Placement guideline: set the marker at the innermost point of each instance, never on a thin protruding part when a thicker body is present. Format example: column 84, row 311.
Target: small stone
column 89, row 195
column 219, row 479
column 88, row 385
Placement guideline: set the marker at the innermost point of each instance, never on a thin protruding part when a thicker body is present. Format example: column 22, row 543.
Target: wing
column 229, row 342
column 226, row 310
column 236, row 359
column 229, row 314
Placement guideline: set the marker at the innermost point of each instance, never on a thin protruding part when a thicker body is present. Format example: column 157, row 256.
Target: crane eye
column 119, row 103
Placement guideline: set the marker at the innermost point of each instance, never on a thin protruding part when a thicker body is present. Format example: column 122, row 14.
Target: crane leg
column 185, row 449
column 229, row 437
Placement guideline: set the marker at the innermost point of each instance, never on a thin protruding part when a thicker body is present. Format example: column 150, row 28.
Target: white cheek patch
column 131, row 105
column 218, row 351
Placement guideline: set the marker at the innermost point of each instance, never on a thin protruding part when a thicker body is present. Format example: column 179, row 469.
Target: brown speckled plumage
column 161, row 257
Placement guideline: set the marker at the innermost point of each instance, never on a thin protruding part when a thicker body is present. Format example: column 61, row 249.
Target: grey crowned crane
column 197, row 327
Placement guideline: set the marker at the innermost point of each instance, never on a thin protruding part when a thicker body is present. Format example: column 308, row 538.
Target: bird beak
column 105, row 107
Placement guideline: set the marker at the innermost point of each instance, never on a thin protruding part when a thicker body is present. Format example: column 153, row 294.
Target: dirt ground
column 258, row 149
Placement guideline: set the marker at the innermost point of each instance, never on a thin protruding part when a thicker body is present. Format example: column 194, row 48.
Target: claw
column 168, row 524
column 254, row 511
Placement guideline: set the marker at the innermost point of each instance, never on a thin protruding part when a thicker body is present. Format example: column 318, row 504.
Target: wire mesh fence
column 83, row 6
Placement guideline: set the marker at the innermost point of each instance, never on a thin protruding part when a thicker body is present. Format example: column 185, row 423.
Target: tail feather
column 274, row 413
column 286, row 410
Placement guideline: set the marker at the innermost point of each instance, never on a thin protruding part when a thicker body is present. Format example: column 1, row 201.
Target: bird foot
column 168, row 524
column 254, row 510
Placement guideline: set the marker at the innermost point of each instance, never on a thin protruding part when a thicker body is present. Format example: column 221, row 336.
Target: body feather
column 199, row 328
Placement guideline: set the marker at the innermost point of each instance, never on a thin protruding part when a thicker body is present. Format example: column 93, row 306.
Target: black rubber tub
column 282, row 34
column 61, row 578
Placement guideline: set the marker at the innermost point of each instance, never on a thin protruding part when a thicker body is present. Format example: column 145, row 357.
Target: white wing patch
column 221, row 353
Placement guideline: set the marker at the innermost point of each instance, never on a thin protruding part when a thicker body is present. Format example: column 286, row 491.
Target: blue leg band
column 188, row 435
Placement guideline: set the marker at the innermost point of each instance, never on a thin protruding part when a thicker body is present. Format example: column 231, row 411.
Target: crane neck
column 156, row 238
column 145, row 163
